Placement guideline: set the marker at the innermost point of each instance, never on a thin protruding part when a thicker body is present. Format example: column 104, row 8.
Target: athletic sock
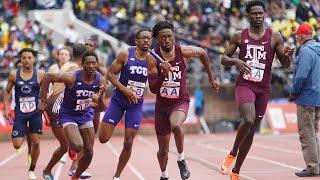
column 164, row 174
column 181, row 156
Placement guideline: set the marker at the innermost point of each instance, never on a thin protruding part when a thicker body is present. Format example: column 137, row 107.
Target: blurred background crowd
column 206, row 23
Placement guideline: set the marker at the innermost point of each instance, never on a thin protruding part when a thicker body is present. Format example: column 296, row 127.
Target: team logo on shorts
column 15, row 133
column 111, row 120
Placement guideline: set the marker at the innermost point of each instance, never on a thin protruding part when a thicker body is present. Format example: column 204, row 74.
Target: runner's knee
column 76, row 146
column 248, row 122
column 176, row 129
column 163, row 151
column 103, row 139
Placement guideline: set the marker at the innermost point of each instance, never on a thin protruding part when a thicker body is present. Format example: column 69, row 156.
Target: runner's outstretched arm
column 67, row 78
column 192, row 51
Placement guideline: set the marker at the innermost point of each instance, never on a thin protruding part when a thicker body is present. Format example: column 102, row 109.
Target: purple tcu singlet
column 76, row 99
column 133, row 75
column 173, row 88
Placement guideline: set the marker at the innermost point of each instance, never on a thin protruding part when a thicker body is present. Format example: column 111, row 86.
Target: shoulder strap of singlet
column 244, row 33
column 269, row 31
column 18, row 77
column 131, row 52
column 78, row 75
column 97, row 78
column 34, row 75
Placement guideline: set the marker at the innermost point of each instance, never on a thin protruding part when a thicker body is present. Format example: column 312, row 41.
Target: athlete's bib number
column 82, row 104
column 27, row 104
column 170, row 90
column 137, row 87
column 257, row 71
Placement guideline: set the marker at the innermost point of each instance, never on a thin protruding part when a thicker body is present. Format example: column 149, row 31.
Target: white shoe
column 31, row 175
column 84, row 175
column 115, row 178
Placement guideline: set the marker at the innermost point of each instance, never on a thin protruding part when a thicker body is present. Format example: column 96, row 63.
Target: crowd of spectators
column 208, row 23
column 17, row 32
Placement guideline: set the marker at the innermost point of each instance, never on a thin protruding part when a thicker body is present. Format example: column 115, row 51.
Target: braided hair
column 161, row 25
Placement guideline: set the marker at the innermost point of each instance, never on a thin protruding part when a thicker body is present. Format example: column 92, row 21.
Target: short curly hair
column 161, row 25
column 33, row 52
column 137, row 33
column 89, row 53
column 255, row 3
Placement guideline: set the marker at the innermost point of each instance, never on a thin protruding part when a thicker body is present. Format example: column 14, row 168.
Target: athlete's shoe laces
column 234, row 176
column 226, row 164
column 184, row 172
column 31, row 175
column 84, row 175
column 72, row 154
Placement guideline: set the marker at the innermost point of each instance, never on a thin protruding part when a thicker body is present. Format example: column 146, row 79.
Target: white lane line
column 276, row 149
column 144, row 140
column 203, row 162
column 12, row 156
column 207, row 146
column 59, row 168
column 281, row 137
column 266, row 171
column 134, row 170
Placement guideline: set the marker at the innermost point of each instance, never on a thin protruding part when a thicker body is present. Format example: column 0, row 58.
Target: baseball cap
column 304, row 29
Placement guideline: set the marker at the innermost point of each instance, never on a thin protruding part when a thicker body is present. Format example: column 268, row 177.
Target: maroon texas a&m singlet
column 173, row 89
column 258, row 54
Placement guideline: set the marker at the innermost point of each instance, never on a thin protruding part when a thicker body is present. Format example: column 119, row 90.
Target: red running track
column 271, row 157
